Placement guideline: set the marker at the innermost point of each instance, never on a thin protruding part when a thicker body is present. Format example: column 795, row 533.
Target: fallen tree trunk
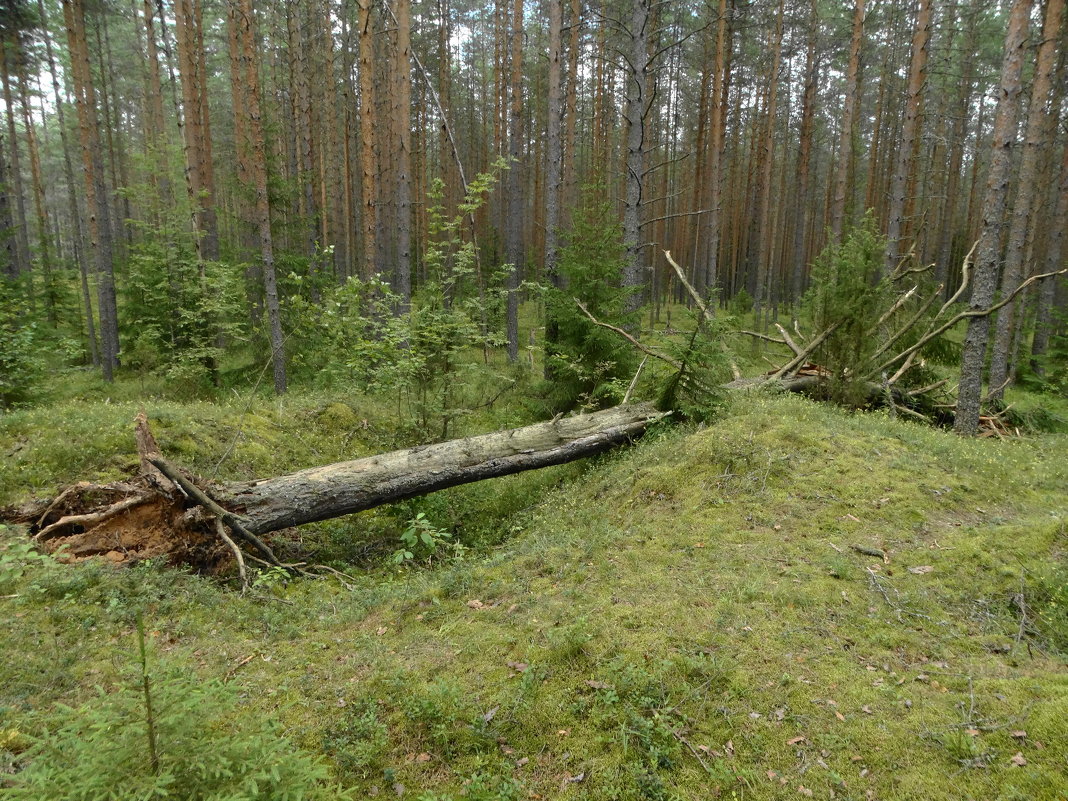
column 321, row 493
column 165, row 512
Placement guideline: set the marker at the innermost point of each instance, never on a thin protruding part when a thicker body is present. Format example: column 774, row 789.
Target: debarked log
column 322, row 493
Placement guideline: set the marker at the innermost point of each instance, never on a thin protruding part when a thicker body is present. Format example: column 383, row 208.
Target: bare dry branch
column 643, row 348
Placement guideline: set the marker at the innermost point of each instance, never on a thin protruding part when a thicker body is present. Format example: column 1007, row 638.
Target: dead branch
column 643, row 348
column 968, row 314
column 789, row 342
column 220, row 529
column 807, row 351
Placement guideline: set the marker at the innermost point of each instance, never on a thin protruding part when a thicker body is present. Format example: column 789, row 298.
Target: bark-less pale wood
column 997, row 188
column 321, row 493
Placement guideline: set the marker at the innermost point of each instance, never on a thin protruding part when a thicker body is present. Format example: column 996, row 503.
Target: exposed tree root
column 85, row 521
column 165, row 513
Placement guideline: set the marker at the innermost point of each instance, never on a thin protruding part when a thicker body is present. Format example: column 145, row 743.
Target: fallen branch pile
column 879, row 379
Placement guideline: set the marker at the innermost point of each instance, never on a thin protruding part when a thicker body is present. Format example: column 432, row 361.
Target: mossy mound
column 702, row 615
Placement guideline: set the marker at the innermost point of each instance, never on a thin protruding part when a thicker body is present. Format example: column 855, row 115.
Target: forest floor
column 705, row 614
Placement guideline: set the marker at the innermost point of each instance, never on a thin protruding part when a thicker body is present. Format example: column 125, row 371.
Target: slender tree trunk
column 199, row 173
column 1037, row 137
column 44, row 229
column 242, row 17
column 715, row 157
column 799, row 257
column 23, row 255
column 985, row 277
column 157, row 139
column 763, row 240
column 554, row 164
column 962, row 115
column 96, row 189
column 402, row 113
column 77, row 237
column 910, row 131
column 636, row 107
column 7, row 222
column 570, row 154
column 302, row 121
column 1056, row 252
column 368, row 123
column 516, row 205
column 849, row 110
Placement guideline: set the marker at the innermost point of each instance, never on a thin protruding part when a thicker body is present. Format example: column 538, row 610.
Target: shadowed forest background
column 185, row 184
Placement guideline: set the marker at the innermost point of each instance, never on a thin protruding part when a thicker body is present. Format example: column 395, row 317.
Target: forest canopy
column 189, row 189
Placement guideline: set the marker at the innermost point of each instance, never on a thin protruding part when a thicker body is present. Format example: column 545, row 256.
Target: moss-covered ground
column 686, row 618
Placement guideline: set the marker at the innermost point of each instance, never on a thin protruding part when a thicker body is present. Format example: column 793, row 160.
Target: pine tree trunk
column 78, row 237
column 799, row 257
column 199, row 172
column 93, row 162
column 958, row 139
column 717, row 123
column 910, row 131
column 44, row 232
column 402, row 106
column 635, row 109
column 516, row 205
column 763, row 241
column 849, row 110
column 22, row 239
column 368, row 123
column 1038, row 136
column 1056, row 252
column 7, row 222
column 554, row 165
column 157, row 138
column 242, row 17
column 570, row 154
column 988, row 253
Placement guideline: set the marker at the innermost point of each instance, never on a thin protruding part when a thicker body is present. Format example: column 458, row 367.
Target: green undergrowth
column 705, row 614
